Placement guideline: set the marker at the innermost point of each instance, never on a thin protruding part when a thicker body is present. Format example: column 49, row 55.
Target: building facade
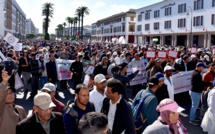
column 30, row 28
column 12, row 20
column 122, row 24
column 177, row 22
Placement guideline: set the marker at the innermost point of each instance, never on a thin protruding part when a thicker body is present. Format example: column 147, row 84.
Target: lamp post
column 191, row 27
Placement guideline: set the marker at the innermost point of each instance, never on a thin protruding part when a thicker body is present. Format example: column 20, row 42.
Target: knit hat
column 159, row 75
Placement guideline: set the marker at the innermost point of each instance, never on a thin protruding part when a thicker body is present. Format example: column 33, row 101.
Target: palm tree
column 84, row 11
column 70, row 21
column 75, row 23
column 78, row 14
column 48, row 12
column 64, row 25
column 60, row 28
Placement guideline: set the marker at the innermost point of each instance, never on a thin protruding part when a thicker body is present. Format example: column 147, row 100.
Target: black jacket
column 191, row 65
column 51, row 70
column 30, row 125
column 34, row 65
column 100, row 69
column 123, row 120
column 77, row 70
column 162, row 93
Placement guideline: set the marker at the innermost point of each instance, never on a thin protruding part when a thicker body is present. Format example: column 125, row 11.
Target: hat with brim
column 170, row 105
column 43, row 101
column 166, row 68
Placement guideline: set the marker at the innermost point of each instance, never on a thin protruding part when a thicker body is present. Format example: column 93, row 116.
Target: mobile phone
column 8, row 65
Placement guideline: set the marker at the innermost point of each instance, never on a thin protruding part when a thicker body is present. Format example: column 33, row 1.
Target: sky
column 99, row 9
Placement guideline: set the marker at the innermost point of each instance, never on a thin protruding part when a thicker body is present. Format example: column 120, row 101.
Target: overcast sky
column 63, row 8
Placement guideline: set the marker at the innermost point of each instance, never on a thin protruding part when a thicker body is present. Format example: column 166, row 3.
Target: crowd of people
column 103, row 106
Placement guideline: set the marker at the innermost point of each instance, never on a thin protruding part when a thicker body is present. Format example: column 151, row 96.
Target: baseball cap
column 43, row 101
column 200, row 64
column 153, row 81
column 159, row 75
column 115, row 53
column 168, row 68
column 49, row 86
column 169, row 104
column 99, row 78
column 193, row 56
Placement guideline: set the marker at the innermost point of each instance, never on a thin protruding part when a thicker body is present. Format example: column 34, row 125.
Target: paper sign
column 193, row 50
column 161, row 54
column 173, row 54
column 18, row 82
column 18, row 47
column 63, row 69
column 11, row 39
column 2, row 56
column 89, row 70
column 213, row 50
column 150, row 54
column 86, row 80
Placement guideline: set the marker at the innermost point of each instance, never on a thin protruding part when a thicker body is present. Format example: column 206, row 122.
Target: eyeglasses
column 11, row 93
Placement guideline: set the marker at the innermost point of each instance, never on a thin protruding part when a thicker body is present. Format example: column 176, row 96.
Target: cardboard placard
column 161, row 54
column 150, row 54
column 173, row 54
column 89, row 70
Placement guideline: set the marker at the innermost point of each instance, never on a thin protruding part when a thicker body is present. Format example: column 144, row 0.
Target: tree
column 60, row 29
column 78, row 14
column 75, row 22
column 70, row 20
column 64, row 25
column 84, row 11
column 48, row 12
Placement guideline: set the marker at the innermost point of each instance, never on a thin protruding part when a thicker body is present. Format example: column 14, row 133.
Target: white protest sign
column 150, row 54
column 161, row 54
column 63, row 69
column 9, row 38
column 113, row 40
column 173, row 54
column 141, row 76
column 18, row 47
column 18, row 82
column 89, row 70
column 121, row 38
column 193, row 50
column 86, row 80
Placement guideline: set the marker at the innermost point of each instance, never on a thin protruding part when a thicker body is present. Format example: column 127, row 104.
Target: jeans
column 43, row 81
column 195, row 97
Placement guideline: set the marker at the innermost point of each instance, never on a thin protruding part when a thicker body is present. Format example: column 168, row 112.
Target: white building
column 122, row 24
column 30, row 28
column 36, row 30
column 13, row 20
column 177, row 22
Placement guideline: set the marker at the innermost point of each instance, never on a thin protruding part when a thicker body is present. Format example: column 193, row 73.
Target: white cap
column 207, row 57
column 43, row 101
column 117, row 60
column 49, row 86
column 99, row 78
column 193, row 56
column 168, row 68
column 115, row 53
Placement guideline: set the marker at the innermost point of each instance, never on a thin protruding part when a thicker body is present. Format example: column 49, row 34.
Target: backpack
column 137, row 107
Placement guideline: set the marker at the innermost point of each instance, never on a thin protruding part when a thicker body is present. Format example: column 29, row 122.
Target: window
column 147, row 27
column 156, row 25
column 198, row 4
column 131, row 28
column 182, row 8
column 156, row 13
column 198, row 21
column 132, row 18
column 213, row 19
column 168, row 11
column 139, row 28
column 213, row 3
column 140, row 17
column 123, row 28
column 167, row 24
column 123, row 18
column 147, row 16
column 182, row 22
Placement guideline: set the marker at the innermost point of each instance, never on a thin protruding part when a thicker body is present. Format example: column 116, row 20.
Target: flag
column 9, row 38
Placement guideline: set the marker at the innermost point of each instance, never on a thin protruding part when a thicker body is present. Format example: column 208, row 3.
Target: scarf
column 42, row 65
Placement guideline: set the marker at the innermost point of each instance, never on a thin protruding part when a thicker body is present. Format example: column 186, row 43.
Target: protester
column 127, row 58
column 101, row 68
column 51, row 69
column 43, row 120
column 150, row 103
column 97, row 95
column 93, row 123
column 168, row 121
column 168, row 81
column 51, row 89
column 77, row 109
column 42, row 71
column 156, row 68
column 209, row 76
column 116, row 62
column 10, row 113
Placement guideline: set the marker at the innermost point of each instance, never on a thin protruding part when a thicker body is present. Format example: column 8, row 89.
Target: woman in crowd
column 168, row 122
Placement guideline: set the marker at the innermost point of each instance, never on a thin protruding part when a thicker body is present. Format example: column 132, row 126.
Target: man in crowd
column 51, row 69
column 101, row 68
column 183, row 64
column 150, row 103
column 127, row 58
column 168, row 81
column 43, row 120
column 93, row 123
column 10, row 114
column 51, row 89
column 209, row 76
column 97, row 95
column 117, row 109
column 156, row 68
column 77, row 109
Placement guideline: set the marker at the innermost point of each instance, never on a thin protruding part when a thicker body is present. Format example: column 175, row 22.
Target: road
column 182, row 99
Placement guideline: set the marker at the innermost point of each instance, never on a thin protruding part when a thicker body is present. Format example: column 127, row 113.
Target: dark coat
column 162, row 93
column 30, row 125
column 77, row 70
column 123, row 117
column 51, row 70
column 99, row 69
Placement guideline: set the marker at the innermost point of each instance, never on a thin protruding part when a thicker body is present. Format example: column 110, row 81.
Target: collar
column 120, row 97
column 149, row 90
column 38, row 120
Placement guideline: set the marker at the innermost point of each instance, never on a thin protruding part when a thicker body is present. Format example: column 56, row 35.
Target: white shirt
column 97, row 99
column 111, row 113
column 170, row 87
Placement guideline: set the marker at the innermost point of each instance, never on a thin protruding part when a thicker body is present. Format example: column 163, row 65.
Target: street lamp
column 191, row 27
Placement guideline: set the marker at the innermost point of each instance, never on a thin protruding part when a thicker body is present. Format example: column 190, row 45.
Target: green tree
column 48, row 12
column 84, row 11
column 64, row 25
column 59, row 29
column 78, row 14
column 75, row 28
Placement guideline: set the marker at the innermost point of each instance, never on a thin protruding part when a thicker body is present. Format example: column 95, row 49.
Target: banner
column 150, row 54
column 18, row 47
column 63, row 69
column 141, row 76
column 11, row 39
